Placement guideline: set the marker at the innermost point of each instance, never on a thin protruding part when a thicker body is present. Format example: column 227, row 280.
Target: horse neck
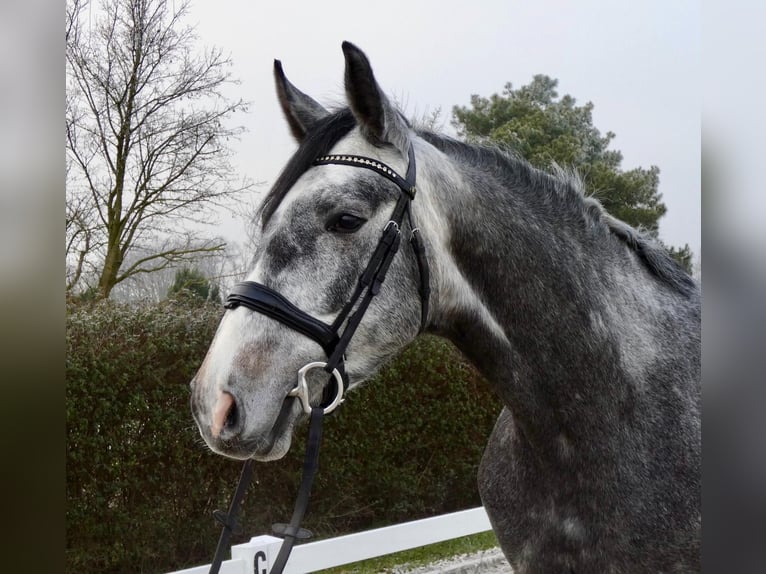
column 534, row 290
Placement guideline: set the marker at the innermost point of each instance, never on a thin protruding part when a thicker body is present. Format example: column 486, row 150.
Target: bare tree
column 81, row 241
column 147, row 138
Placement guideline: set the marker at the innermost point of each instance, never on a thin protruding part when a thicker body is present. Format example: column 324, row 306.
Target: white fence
column 256, row 556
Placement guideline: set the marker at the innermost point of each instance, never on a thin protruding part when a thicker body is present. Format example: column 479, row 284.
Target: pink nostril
column 224, row 412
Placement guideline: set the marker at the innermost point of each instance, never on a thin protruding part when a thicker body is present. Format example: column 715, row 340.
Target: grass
column 419, row 556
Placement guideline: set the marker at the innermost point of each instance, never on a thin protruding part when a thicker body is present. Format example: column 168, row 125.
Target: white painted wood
column 227, row 567
column 379, row 542
column 259, row 554
column 256, row 556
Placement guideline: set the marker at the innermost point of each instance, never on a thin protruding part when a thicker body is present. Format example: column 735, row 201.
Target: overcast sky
column 638, row 62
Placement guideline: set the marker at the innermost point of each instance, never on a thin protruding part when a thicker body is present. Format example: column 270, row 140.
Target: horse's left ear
column 380, row 121
column 301, row 111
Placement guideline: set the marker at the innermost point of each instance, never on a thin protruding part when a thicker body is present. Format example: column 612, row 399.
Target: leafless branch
column 167, row 258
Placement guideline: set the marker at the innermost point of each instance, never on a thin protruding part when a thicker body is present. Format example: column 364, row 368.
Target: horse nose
column 227, row 418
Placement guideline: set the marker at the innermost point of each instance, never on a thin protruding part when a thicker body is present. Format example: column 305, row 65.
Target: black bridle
column 262, row 299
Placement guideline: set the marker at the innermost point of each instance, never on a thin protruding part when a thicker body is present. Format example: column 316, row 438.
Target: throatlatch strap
column 425, row 279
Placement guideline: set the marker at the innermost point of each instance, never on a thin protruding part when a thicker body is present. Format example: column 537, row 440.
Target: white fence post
column 258, row 554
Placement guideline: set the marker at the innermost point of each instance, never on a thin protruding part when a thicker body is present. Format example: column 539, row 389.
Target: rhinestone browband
column 369, row 163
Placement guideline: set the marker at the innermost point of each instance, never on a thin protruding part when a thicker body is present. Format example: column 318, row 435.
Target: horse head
column 322, row 223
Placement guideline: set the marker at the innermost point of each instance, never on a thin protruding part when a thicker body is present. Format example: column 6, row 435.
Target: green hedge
column 141, row 485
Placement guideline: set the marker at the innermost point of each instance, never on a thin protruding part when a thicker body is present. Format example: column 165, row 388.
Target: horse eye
column 344, row 223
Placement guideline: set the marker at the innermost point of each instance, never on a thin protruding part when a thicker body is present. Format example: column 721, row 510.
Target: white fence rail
column 257, row 556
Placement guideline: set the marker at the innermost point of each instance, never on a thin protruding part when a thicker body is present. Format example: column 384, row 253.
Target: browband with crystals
column 372, row 164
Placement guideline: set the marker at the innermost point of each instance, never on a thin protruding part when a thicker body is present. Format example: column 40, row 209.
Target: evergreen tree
column 547, row 129
column 193, row 283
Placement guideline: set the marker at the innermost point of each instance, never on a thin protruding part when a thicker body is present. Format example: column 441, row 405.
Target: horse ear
column 380, row 121
column 301, row 111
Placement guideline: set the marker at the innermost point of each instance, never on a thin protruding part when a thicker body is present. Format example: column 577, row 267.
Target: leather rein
column 261, row 299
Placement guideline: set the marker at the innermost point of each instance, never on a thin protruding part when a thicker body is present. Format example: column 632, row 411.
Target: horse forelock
column 317, row 142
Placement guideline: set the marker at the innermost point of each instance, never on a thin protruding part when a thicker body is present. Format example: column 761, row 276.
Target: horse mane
column 567, row 186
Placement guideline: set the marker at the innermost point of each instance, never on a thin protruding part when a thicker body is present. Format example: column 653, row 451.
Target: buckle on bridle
column 301, row 390
column 393, row 224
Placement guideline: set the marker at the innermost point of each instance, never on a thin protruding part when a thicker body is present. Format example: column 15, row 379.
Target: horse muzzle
column 227, row 432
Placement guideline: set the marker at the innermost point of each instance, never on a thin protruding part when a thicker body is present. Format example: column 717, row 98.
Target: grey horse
column 587, row 331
